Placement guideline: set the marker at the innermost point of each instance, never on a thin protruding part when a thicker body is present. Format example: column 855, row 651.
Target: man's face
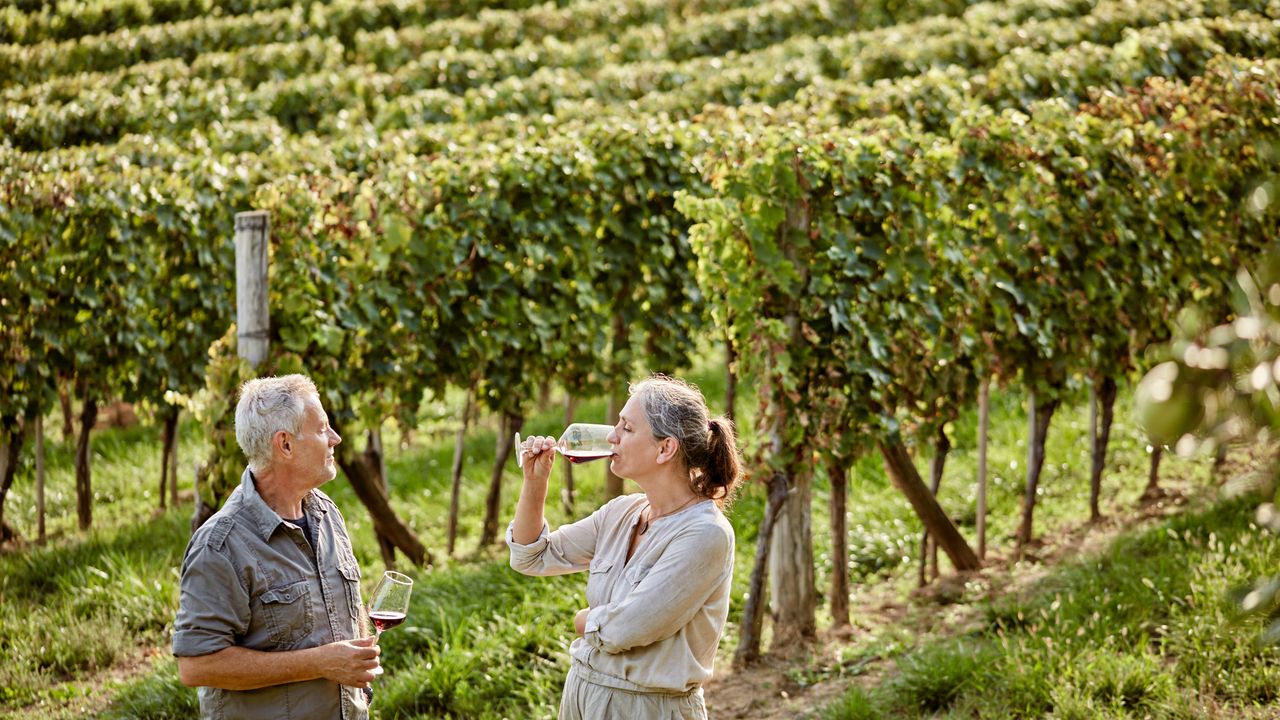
column 313, row 445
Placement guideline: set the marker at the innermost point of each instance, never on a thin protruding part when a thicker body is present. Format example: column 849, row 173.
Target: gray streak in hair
column 677, row 409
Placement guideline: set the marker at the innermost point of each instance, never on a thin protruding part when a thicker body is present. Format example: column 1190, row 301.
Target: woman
column 660, row 562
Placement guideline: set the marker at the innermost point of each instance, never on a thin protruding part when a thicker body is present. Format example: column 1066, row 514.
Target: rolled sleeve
column 213, row 605
column 591, row 628
column 525, row 558
column 673, row 591
column 568, row 549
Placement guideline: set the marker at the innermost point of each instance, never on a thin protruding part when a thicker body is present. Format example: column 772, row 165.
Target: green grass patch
column 74, row 608
column 481, row 642
column 1145, row 628
column 158, row 696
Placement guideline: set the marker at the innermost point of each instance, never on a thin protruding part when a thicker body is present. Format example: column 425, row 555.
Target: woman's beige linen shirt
column 655, row 621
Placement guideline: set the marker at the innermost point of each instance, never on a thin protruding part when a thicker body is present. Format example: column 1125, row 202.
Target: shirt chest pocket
column 599, row 582
column 290, row 617
column 351, row 583
column 637, row 573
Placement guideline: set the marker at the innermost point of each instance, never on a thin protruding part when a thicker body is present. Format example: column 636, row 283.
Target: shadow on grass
column 37, row 573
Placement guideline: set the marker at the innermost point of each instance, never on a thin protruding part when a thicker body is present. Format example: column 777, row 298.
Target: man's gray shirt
column 248, row 580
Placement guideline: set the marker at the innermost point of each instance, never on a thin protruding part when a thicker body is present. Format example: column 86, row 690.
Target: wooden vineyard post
column 253, row 322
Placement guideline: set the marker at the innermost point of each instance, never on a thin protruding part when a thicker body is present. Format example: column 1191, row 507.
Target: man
column 270, row 622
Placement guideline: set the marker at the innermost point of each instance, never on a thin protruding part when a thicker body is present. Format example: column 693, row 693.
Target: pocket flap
column 638, row 573
column 350, row 571
column 285, row 594
column 600, row 566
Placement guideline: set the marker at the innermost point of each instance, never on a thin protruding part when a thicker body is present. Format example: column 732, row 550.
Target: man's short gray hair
column 267, row 406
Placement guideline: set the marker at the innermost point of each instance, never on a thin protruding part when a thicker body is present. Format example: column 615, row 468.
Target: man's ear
column 282, row 443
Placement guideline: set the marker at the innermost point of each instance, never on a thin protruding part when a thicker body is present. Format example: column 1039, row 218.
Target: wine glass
column 389, row 603
column 579, row 443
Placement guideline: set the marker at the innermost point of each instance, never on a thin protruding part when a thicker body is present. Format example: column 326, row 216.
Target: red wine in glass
column 583, row 456
column 385, row 620
column 390, row 600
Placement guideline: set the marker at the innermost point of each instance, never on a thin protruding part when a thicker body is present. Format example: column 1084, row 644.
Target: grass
column 483, row 642
column 1144, row 628
column 82, row 604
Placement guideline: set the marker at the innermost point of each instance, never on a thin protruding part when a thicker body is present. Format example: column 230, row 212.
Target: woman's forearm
column 528, row 521
column 538, row 459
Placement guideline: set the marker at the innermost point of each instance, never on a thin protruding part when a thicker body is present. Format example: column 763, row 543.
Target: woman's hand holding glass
column 580, row 443
column 535, row 456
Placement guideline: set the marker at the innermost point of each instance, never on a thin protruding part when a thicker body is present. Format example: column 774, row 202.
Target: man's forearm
column 238, row 668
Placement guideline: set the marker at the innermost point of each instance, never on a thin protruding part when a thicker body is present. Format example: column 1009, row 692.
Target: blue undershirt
column 307, row 530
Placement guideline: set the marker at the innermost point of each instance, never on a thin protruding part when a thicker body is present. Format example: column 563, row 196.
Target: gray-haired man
column 270, row 622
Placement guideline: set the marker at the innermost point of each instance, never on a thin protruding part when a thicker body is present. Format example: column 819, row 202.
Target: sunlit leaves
column 1013, row 243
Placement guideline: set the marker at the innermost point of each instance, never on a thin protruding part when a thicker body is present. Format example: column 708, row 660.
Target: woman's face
column 636, row 451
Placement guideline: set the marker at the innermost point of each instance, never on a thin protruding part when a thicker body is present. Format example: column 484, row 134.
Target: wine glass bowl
column 389, row 603
column 579, row 443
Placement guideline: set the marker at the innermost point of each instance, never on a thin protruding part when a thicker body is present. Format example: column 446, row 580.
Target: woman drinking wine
column 660, row 562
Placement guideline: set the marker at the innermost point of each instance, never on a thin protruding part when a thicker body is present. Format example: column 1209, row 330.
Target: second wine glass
column 579, row 443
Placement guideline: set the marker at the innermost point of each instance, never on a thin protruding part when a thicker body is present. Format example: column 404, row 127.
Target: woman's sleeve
column 674, row 590
column 568, row 549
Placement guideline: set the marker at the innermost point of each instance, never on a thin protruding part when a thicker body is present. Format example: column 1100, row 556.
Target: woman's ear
column 667, row 448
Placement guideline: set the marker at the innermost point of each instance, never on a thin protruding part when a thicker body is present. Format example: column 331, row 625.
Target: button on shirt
column 253, row 580
column 655, row 621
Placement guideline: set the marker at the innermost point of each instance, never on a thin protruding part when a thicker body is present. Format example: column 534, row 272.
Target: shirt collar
column 264, row 519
